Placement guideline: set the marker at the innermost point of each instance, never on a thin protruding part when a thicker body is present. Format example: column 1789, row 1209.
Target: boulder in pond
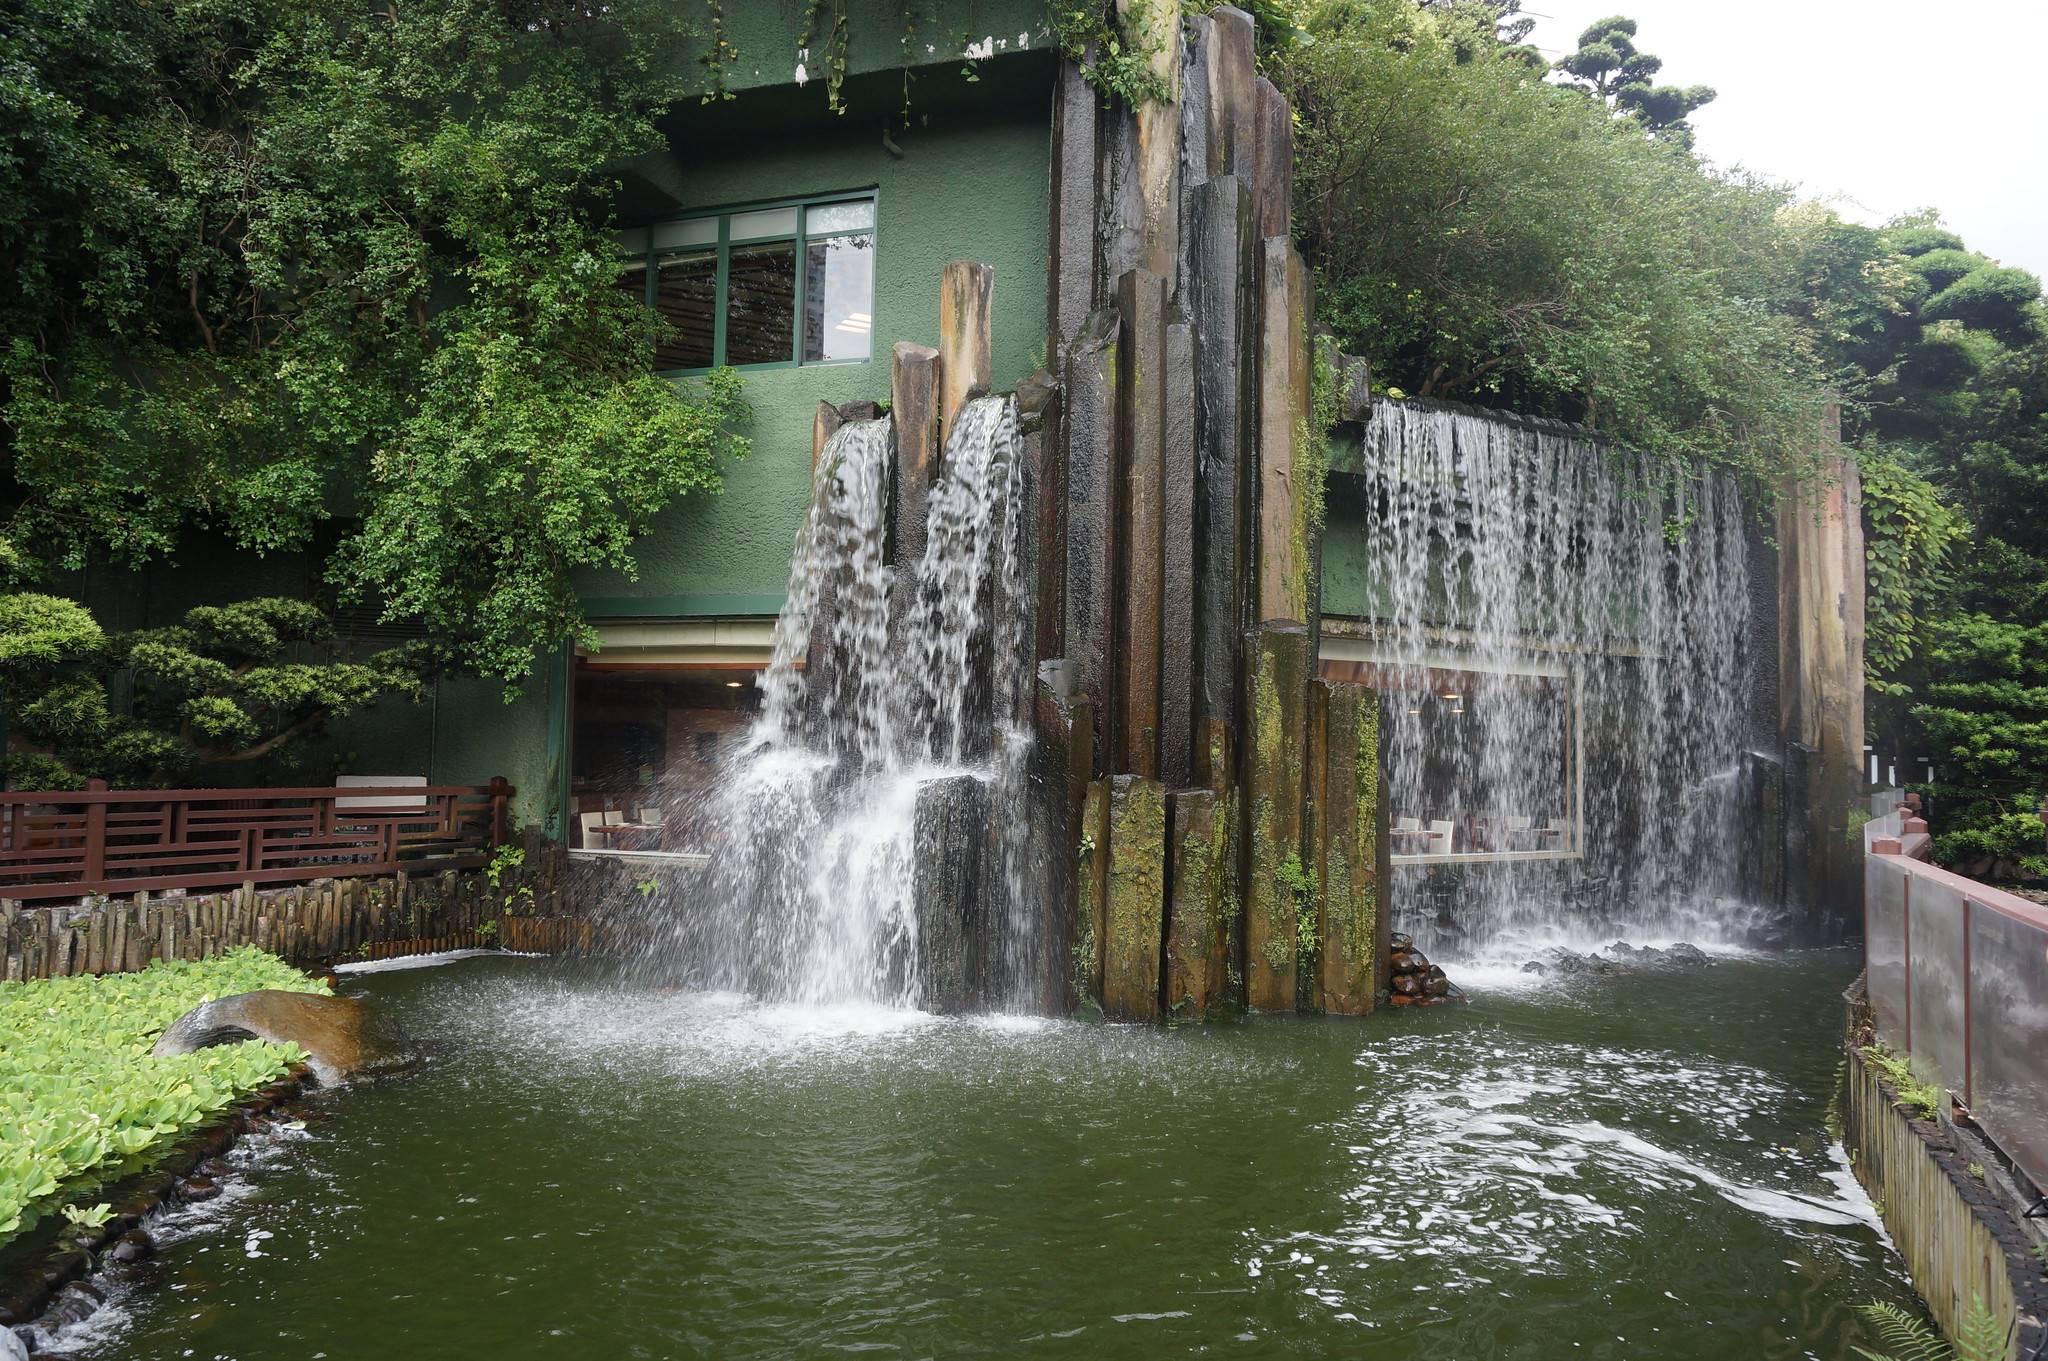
column 342, row 1036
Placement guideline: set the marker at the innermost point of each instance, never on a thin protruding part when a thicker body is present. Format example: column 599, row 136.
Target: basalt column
column 1820, row 682
column 1223, row 786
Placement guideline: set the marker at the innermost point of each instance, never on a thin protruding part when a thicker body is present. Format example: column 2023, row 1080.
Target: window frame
column 645, row 256
column 1387, row 671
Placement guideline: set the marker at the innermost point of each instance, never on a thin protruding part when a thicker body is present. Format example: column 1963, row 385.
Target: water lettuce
column 78, row 1087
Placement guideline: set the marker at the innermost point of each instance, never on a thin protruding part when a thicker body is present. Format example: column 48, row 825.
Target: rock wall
column 1219, row 802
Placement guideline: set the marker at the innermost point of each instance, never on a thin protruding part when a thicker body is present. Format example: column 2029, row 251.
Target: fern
column 1984, row 1337
column 1908, row 1337
column 1905, row 1336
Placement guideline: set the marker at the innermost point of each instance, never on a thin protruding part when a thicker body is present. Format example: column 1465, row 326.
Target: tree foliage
column 224, row 689
column 1608, row 65
column 276, row 262
column 1483, row 234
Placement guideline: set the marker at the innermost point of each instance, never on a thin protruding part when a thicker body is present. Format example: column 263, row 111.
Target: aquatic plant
column 1907, row 1337
column 79, row 1089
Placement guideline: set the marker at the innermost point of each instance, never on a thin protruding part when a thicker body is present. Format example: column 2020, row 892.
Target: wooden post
column 966, row 294
column 824, row 425
column 500, row 791
column 95, row 833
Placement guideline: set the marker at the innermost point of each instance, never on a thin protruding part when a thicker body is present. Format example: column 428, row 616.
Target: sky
column 1878, row 106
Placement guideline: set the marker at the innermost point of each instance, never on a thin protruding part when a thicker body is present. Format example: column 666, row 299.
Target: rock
column 1408, row 961
column 1407, row 985
column 342, row 1036
column 195, row 1190
column 132, row 1246
column 1401, row 942
column 11, row 1346
column 1691, row 956
column 1434, row 983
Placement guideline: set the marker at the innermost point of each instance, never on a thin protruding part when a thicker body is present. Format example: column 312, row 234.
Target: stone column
column 1088, row 431
column 1178, row 583
column 1223, row 319
column 966, row 294
column 1283, row 501
column 1275, row 738
column 1350, row 823
column 948, row 829
column 1074, row 264
column 914, row 415
column 1091, row 894
column 1136, row 899
column 1202, row 902
column 1820, row 658
column 1140, row 560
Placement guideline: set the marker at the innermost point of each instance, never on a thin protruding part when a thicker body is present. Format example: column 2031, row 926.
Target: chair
column 595, row 838
column 1521, row 833
column 1567, row 833
column 1439, row 842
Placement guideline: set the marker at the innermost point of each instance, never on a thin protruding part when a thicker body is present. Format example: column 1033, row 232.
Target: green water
column 1627, row 1168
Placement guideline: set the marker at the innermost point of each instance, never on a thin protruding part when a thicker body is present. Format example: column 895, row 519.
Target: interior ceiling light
column 734, row 685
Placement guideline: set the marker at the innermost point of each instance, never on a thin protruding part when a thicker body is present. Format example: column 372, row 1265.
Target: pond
column 1615, row 1167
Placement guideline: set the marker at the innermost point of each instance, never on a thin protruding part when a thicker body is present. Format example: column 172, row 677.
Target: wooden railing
column 66, row 844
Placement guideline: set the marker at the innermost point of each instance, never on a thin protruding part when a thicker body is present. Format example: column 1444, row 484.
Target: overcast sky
column 1882, row 105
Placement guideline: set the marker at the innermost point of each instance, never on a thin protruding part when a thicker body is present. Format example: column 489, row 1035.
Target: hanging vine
column 719, row 55
column 833, row 54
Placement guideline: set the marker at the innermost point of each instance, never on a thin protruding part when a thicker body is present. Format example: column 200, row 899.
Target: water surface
column 1632, row 1167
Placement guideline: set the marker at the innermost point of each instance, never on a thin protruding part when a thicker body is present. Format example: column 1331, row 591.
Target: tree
column 1608, row 65
column 225, row 689
column 1484, row 235
column 282, row 263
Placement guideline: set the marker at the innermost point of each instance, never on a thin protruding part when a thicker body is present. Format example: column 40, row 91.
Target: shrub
column 78, row 1087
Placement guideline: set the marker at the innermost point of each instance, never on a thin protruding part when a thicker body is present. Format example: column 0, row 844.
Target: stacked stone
column 1220, row 801
column 1414, row 981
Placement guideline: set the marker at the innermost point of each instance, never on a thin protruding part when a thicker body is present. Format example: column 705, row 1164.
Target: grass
column 78, row 1088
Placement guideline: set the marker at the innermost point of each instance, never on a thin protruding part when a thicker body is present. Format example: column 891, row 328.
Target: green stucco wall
column 761, row 36
column 969, row 185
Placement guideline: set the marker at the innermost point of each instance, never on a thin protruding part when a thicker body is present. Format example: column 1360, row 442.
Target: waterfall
column 812, row 891
column 1561, row 636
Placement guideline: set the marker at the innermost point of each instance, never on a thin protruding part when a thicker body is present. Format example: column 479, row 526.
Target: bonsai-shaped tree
column 1610, row 67
column 220, row 691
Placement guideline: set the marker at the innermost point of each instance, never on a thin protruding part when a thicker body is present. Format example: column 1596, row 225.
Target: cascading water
column 811, row 892
column 1562, row 633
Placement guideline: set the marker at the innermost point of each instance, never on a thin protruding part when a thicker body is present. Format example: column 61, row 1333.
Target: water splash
column 810, row 896
column 1564, row 631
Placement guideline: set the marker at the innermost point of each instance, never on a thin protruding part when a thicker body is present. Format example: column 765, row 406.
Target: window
column 1481, row 759
column 782, row 284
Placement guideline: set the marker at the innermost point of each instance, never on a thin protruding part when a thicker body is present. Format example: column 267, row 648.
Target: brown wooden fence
column 70, row 843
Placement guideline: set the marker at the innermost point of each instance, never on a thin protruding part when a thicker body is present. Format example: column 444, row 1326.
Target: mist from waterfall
column 1563, row 635
column 809, row 896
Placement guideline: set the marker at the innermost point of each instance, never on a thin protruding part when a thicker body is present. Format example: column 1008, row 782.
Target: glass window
column 839, row 290
column 827, row 218
column 767, row 222
column 686, row 296
column 782, row 285
column 760, row 303
column 697, row 231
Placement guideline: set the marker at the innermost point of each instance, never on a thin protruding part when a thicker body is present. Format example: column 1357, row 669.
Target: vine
column 720, row 55
column 834, row 53
column 1122, row 50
